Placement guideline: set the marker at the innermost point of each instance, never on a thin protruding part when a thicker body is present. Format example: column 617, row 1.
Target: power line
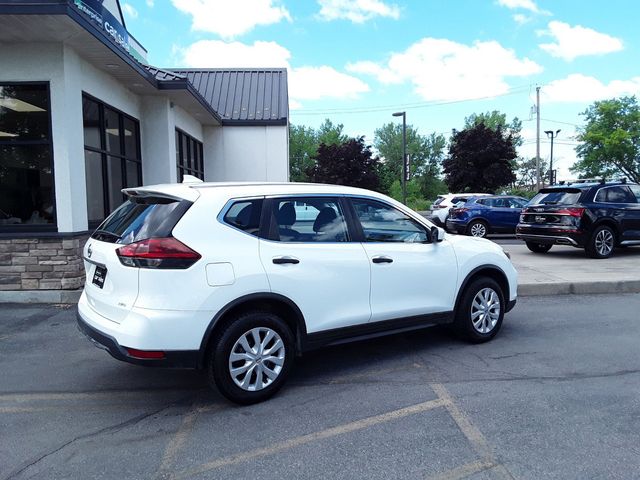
column 384, row 108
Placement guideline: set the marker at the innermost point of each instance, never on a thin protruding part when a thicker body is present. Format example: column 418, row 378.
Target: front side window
column 111, row 155
column 189, row 156
column 309, row 219
column 26, row 159
column 384, row 223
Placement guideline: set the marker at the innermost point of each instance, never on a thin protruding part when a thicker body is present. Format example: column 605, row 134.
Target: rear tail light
column 573, row 211
column 458, row 211
column 166, row 252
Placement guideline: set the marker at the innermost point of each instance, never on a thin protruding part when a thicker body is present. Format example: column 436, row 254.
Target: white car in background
column 444, row 203
column 240, row 279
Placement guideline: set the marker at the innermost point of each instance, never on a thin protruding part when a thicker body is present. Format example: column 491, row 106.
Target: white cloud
column 150, row 3
column 314, row 83
column 520, row 4
column 305, row 83
column 584, row 89
column 216, row 53
column 231, row 18
column 571, row 42
column 357, row 11
column 129, row 11
column 521, row 19
column 442, row 70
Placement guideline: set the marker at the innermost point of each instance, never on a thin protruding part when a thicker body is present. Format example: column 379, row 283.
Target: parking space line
column 463, row 471
column 473, row 434
column 313, row 437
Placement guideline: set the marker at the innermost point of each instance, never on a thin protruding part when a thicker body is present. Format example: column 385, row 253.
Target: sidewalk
column 564, row 270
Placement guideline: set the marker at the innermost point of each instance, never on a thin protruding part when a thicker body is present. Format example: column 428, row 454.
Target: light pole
column 405, row 167
column 551, row 135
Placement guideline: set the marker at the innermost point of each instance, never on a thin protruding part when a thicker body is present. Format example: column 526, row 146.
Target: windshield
column 556, row 196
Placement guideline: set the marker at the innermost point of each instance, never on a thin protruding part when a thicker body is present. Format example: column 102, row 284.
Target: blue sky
column 358, row 61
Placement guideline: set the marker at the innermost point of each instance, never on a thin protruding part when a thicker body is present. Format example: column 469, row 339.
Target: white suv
column 227, row 278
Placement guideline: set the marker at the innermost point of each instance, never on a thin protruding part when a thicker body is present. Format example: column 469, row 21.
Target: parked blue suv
column 483, row 215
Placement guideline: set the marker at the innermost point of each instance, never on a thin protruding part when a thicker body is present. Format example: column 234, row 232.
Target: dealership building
column 83, row 115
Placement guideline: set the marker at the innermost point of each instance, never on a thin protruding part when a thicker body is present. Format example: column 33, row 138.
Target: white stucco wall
column 246, row 153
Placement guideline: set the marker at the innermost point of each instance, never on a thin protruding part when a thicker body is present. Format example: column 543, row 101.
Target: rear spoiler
column 177, row 193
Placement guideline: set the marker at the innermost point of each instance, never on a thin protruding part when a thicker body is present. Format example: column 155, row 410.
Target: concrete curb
column 40, row 296
column 578, row 288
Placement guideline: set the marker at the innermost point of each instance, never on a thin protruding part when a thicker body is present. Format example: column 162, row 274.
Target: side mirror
column 437, row 234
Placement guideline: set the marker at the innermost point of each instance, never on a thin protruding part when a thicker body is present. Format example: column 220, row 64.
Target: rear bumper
column 456, row 227
column 550, row 235
column 172, row 359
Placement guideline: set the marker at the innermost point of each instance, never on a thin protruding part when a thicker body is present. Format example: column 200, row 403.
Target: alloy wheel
column 604, row 242
column 485, row 310
column 256, row 359
column 478, row 230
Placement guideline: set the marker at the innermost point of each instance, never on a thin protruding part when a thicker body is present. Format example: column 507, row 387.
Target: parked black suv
column 596, row 216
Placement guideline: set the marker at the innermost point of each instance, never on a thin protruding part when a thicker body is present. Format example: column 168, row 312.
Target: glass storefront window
column 112, row 157
column 27, row 200
column 189, row 159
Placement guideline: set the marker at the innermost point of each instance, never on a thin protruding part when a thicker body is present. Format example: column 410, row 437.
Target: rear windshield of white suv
column 555, row 196
column 137, row 219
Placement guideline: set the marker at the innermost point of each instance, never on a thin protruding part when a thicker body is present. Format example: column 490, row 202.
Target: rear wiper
column 106, row 233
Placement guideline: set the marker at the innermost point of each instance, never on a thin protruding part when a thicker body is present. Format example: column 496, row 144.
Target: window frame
column 41, row 227
column 185, row 166
column 104, row 154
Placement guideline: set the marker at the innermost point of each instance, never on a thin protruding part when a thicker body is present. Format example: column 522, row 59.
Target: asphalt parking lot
column 555, row 395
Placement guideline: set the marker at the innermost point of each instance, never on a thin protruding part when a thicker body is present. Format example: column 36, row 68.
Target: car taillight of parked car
column 166, row 252
column 573, row 211
column 458, row 211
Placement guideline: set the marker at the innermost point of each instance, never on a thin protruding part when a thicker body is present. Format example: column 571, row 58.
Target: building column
column 158, row 141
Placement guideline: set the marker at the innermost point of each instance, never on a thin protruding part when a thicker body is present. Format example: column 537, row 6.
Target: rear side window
column 615, row 195
column 141, row 218
column 308, row 219
column 635, row 189
column 555, row 196
column 245, row 215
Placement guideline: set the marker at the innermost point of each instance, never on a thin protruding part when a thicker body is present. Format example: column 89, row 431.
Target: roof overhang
column 59, row 21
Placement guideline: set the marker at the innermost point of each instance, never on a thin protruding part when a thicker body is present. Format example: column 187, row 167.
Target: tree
column 610, row 140
column 425, row 154
column 304, row 143
column 480, row 160
column 526, row 171
column 331, row 134
column 303, row 148
column 495, row 120
column 349, row 163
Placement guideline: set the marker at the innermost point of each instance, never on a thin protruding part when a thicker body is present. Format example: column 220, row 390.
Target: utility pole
column 405, row 166
column 538, row 138
column 551, row 135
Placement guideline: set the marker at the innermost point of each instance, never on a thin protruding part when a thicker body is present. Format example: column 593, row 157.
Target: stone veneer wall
column 42, row 263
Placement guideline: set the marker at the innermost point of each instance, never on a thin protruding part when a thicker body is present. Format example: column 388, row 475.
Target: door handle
column 382, row 259
column 285, row 260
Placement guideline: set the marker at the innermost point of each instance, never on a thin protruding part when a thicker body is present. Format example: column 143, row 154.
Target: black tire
column 601, row 243
column 539, row 247
column 463, row 324
column 478, row 226
column 218, row 366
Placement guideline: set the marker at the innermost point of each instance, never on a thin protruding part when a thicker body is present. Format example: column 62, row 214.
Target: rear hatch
column 554, row 207
column 112, row 277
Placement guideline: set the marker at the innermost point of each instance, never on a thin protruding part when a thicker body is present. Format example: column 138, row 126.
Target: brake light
column 166, row 252
column 573, row 211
